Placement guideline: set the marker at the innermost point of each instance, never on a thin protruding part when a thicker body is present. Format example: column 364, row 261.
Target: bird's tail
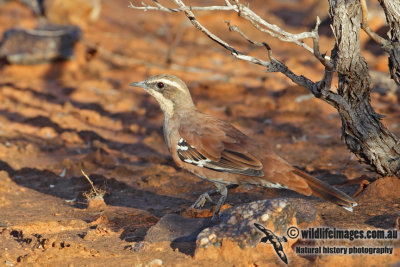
column 326, row 191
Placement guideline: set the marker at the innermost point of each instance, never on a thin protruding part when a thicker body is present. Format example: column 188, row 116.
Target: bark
column 362, row 130
column 392, row 12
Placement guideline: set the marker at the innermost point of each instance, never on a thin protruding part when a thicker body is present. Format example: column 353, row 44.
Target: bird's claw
column 201, row 201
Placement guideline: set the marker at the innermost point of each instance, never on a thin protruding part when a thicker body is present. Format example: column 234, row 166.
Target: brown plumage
column 215, row 150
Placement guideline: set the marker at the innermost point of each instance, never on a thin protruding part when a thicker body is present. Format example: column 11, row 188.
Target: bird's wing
column 218, row 146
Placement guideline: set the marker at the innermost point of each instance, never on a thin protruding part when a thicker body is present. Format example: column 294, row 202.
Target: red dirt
column 59, row 118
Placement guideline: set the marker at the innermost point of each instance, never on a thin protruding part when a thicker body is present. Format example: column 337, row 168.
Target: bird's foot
column 221, row 189
column 201, row 201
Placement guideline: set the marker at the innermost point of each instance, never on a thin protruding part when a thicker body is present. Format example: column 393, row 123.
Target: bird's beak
column 139, row 84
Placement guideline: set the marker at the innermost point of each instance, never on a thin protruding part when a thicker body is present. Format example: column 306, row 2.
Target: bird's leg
column 223, row 190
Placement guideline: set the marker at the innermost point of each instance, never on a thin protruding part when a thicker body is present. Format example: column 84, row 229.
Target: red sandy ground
column 56, row 119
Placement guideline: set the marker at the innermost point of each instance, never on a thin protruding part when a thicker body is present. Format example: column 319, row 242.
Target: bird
column 274, row 240
column 216, row 151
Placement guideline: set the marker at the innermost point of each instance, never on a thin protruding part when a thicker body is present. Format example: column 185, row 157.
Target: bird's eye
column 160, row 85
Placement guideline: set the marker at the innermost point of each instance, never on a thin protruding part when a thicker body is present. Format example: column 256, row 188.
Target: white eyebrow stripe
column 173, row 84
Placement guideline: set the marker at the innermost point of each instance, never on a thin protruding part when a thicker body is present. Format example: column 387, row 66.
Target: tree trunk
column 362, row 130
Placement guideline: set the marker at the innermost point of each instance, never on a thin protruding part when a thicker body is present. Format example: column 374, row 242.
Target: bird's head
column 169, row 91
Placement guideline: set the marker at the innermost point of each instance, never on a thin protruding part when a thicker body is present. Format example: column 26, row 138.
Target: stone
column 44, row 44
column 237, row 223
column 305, row 211
column 180, row 231
column 172, row 227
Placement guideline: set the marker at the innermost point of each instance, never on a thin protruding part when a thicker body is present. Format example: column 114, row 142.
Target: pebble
column 232, row 220
column 264, row 217
column 204, row 241
column 155, row 262
column 212, row 237
column 237, row 223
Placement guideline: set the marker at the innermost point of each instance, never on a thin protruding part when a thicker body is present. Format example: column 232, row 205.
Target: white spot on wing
column 272, row 185
column 199, row 163
column 184, row 148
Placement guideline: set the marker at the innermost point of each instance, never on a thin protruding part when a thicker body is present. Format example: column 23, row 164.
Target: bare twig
column 322, row 58
column 95, row 196
column 160, row 7
column 235, row 28
column 386, row 45
column 90, row 181
column 272, row 66
column 320, row 89
column 244, row 12
column 272, row 29
column 189, row 14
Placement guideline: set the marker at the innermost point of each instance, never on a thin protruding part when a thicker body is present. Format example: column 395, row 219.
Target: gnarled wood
column 362, row 130
column 392, row 13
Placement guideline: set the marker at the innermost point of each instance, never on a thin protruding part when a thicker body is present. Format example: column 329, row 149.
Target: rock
column 236, row 230
column 237, row 241
column 385, row 188
column 181, row 231
column 175, row 227
column 305, row 211
column 155, row 262
column 43, row 44
column 237, row 223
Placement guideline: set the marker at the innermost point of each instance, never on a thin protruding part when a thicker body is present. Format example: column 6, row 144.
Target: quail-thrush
column 218, row 152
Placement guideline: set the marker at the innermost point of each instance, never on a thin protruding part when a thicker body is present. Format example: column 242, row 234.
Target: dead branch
column 244, row 12
column 365, row 26
column 95, row 191
column 160, row 7
column 392, row 13
column 273, row 65
column 392, row 46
